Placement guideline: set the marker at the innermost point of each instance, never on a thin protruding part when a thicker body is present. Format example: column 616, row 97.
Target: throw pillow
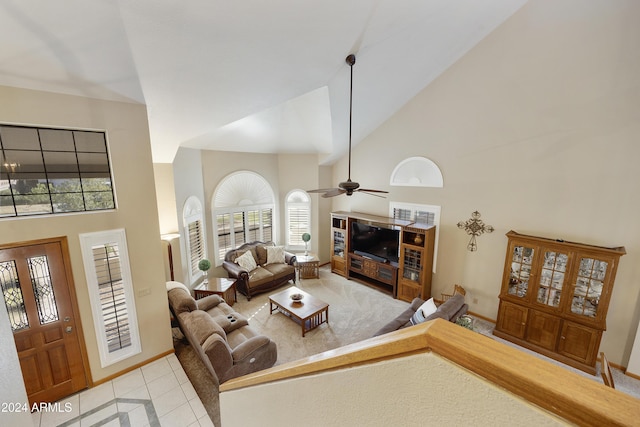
column 428, row 308
column 425, row 310
column 247, row 261
column 275, row 254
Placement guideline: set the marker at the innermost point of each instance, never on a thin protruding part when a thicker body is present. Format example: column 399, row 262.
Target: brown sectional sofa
column 223, row 339
column 450, row 310
column 263, row 278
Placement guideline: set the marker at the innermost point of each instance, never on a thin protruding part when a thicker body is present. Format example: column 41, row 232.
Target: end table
column 226, row 288
column 308, row 266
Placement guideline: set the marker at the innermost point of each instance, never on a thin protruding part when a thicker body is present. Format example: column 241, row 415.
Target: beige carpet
column 356, row 312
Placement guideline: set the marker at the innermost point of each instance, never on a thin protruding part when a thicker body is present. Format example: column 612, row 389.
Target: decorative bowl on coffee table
column 297, row 297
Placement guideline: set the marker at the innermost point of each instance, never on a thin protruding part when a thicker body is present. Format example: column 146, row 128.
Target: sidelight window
column 106, row 263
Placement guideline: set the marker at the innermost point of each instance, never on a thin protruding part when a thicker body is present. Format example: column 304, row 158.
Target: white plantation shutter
column 113, row 303
column 224, row 234
column 194, row 232
column 267, row 225
column 195, row 240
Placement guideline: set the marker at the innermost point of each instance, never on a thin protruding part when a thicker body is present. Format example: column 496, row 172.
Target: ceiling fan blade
column 334, row 192
column 372, row 192
column 322, row 190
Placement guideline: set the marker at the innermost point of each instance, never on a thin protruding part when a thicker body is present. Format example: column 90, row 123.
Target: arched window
column 298, row 217
column 417, row 172
column 194, row 236
column 243, row 211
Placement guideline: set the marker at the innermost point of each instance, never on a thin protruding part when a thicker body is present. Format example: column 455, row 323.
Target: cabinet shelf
column 555, row 296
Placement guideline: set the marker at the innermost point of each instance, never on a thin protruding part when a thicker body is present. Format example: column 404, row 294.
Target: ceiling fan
column 348, row 187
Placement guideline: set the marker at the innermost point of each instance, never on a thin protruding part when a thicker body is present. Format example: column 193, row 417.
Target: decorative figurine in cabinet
column 555, row 296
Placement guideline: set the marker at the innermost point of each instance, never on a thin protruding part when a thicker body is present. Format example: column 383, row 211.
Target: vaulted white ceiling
column 252, row 75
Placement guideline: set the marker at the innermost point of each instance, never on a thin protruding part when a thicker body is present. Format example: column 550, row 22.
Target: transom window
column 50, row 171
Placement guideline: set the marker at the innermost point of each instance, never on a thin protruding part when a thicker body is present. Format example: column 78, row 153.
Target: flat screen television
column 380, row 243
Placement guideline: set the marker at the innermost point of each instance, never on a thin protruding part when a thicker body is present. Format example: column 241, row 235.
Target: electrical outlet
column 475, row 300
column 144, row 292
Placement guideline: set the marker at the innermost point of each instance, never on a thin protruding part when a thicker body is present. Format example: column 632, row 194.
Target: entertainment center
column 393, row 255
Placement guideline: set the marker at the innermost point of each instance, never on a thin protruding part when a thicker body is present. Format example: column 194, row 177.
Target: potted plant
column 305, row 238
column 204, row 265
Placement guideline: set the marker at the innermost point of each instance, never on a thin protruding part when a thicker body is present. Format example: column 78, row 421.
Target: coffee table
column 310, row 313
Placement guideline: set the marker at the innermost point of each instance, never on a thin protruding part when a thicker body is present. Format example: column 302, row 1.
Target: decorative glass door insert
column 412, row 264
column 552, row 276
column 522, row 258
column 588, row 286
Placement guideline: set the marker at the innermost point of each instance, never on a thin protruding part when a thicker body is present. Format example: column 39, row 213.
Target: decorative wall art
column 474, row 226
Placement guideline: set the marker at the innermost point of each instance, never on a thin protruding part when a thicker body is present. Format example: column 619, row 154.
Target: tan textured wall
column 128, row 137
column 537, row 128
column 418, row 390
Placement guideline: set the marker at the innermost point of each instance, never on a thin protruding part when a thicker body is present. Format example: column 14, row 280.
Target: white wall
column 537, row 128
column 418, row 390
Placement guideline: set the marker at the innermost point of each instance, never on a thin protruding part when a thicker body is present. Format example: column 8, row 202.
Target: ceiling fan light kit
column 348, row 187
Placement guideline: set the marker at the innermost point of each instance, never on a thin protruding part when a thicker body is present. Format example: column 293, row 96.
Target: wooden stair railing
column 549, row 386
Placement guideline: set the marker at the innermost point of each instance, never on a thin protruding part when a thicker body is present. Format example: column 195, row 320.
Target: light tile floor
column 156, row 395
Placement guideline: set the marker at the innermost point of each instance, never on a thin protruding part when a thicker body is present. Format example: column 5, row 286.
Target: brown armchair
column 265, row 276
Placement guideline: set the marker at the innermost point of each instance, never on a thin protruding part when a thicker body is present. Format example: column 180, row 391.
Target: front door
column 36, row 283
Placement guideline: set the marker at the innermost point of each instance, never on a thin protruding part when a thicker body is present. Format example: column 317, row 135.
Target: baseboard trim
column 131, row 368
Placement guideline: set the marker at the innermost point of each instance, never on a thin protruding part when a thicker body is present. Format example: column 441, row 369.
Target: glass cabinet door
column 588, row 287
column 521, row 261
column 412, row 265
column 338, row 243
column 552, row 274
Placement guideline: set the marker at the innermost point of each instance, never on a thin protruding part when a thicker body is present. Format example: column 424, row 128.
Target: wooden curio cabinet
column 339, row 244
column 416, row 261
column 554, row 297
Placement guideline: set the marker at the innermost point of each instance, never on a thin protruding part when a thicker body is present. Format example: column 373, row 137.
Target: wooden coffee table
column 309, row 313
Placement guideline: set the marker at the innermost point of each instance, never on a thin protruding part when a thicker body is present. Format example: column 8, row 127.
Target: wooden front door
column 35, row 278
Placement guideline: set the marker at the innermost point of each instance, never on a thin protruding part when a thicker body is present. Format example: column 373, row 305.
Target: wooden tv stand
column 406, row 279
column 384, row 274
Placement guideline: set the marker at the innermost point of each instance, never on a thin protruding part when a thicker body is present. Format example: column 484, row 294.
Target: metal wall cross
column 474, row 226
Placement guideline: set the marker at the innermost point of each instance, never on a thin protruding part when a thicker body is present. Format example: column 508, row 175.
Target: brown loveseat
column 223, row 339
column 266, row 275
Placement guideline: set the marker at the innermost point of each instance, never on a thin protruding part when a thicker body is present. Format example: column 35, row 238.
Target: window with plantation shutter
column 243, row 211
column 195, row 240
column 424, row 214
column 108, row 274
column 298, row 217
column 194, row 231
